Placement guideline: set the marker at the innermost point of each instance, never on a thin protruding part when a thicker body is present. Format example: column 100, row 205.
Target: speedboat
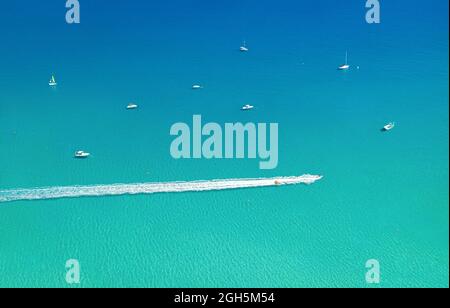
column 247, row 107
column 82, row 154
column 345, row 66
column 52, row 82
column 388, row 127
column 132, row 106
column 197, row 87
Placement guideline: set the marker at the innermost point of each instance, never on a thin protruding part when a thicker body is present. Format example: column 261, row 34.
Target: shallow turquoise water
column 384, row 196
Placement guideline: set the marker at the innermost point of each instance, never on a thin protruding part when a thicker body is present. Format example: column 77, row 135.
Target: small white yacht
column 243, row 48
column 132, row 106
column 247, row 107
column 197, row 87
column 52, row 82
column 82, row 154
column 389, row 127
column 345, row 66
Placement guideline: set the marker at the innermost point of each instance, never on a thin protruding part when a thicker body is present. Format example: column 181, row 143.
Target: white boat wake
column 149, row 188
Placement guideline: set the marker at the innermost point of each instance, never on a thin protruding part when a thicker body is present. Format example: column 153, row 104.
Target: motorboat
column 132, row 106
column 389, row 127
column 247, row 107
column 82, row 154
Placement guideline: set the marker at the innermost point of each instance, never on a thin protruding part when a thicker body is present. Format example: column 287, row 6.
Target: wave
column 148, row 188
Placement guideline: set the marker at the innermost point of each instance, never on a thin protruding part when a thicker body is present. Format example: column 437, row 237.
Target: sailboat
column 52, row 82
column 243, row 48
column 345, row 66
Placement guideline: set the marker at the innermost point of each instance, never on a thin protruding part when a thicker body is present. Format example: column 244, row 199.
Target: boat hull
column 344, row 67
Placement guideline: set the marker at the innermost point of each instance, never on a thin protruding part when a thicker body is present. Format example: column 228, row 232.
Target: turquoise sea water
column 384, row 196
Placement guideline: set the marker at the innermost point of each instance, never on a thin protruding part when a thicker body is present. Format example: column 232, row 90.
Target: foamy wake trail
column 148, row 188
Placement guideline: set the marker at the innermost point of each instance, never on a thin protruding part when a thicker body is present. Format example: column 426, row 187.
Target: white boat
column 389, row 127
column 345, row 66
column 243, row 48
column 52, row 82
column 82, row 154
column 197, row 87
column 247, row 107
column 132, row 106
column 306, row 179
